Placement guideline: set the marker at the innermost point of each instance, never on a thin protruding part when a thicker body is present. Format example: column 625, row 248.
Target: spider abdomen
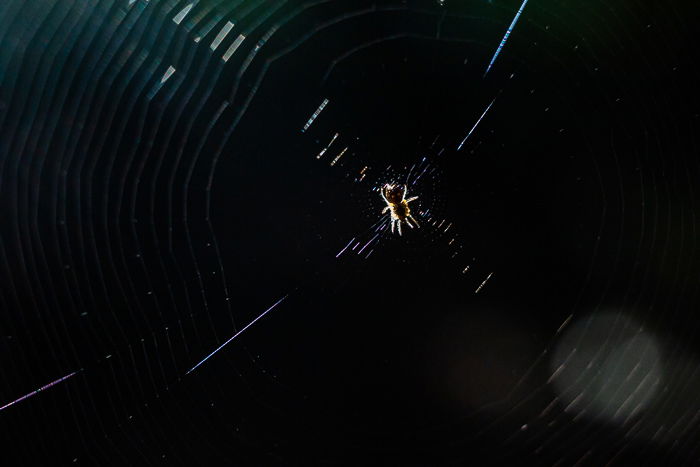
column 401, row 210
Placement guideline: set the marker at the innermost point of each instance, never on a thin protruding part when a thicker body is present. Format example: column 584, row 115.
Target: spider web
column 158, row 196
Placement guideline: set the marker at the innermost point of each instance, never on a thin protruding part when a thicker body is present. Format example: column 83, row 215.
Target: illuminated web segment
column 505, row 37
column 330, row 143
column 177, row 19
column 481, row 286
column 315, row 114
column 237, row 334
column 43, row 388
column 475, row 125
column 337, row 158
column 221, row 35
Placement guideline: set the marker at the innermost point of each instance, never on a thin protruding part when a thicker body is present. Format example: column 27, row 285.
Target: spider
column 397, row 205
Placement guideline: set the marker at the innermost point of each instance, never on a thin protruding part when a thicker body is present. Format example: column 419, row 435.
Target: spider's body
column 396, row 203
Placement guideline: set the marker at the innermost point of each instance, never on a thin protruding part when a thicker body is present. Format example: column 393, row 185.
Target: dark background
column 144, row 223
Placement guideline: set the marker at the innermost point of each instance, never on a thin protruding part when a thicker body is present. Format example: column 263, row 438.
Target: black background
column 142, row 229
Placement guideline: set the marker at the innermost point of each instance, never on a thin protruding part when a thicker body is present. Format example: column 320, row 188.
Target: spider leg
column 381, row 192
column 411, row 199
column 414, row 220
column 393, row 221
column 385, row 209
column 408, row 223
column 405, row 190
column 398, row 225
